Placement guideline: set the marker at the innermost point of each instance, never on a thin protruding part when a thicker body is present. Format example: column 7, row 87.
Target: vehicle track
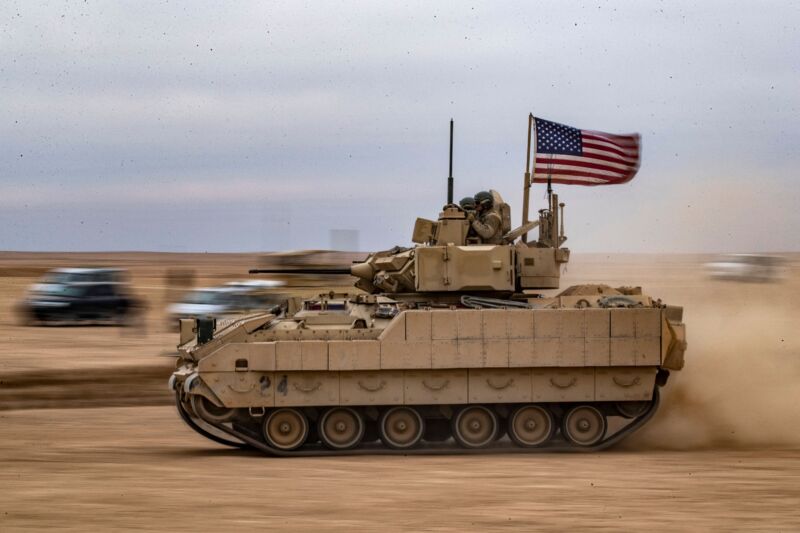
column 251, row 440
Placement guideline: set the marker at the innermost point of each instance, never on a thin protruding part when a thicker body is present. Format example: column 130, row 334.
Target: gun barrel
column 300, row 271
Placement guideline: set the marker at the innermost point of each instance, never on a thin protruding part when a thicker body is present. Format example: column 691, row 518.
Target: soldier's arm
column 488, row 228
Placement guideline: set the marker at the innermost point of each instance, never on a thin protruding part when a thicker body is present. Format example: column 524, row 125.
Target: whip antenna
column 450, row 177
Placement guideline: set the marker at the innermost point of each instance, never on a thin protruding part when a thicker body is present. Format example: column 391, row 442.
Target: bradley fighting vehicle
column 445, row 339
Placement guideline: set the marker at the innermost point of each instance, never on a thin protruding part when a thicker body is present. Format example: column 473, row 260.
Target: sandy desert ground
column 89, row 441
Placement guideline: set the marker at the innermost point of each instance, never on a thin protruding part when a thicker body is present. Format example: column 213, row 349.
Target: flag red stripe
column 591, row 153
column 594, row 158
column 583, row 164
column 556, row 167
column 611, row 147
column 632, row 154
column 553, row 170
column 618, row 178
column 577, row 171
column 565, row 181
column 588, row 179
column 622, row 141
column 579, row 179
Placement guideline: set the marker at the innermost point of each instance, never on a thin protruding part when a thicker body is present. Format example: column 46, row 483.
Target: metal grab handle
column 500, row 387
column 555, row 383
column 376, row 388
column 634, row 381
column 583, row 303
column 241, row 391
column 440, row 387
column 317, row 385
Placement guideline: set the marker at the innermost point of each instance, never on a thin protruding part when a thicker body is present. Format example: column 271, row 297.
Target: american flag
column 582, row 157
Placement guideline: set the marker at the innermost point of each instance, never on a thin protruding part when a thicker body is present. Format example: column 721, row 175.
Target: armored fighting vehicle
column 448, row 340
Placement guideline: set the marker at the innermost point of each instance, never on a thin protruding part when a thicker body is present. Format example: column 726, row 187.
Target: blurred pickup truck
column 231, row 300
column 747, row 267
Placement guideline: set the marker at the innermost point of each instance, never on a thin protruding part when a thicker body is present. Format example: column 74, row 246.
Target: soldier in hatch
column 467, row 204
column 485, row 220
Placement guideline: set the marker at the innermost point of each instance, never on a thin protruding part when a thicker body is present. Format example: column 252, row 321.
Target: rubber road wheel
column 475, row 427
column 401, row 428
column 341, row 428
column 530, row 426
column 285, row 429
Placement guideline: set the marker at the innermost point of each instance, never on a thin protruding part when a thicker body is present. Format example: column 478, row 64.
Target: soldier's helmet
column 484, row 199
column 467, row 203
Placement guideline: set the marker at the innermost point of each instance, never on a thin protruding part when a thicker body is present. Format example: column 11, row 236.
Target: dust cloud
column 740, row 387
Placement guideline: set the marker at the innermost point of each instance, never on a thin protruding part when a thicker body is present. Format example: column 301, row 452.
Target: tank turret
column 446, row 259
column 449, row 258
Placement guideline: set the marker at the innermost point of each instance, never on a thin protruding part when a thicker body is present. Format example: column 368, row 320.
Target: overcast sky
column 261, row 126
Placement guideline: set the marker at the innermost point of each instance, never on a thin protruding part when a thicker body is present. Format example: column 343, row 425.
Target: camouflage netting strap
column 618, row 301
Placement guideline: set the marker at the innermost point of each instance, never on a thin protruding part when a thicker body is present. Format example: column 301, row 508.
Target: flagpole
column 527, row 188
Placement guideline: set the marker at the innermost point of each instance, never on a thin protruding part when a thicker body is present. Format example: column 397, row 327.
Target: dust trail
column 741, row 383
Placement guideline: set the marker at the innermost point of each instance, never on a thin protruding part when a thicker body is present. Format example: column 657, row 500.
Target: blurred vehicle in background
column 747, row 267
column 80, row 295
column 229, row 300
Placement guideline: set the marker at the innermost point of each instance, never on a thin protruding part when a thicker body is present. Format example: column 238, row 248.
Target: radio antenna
column 450, row 177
